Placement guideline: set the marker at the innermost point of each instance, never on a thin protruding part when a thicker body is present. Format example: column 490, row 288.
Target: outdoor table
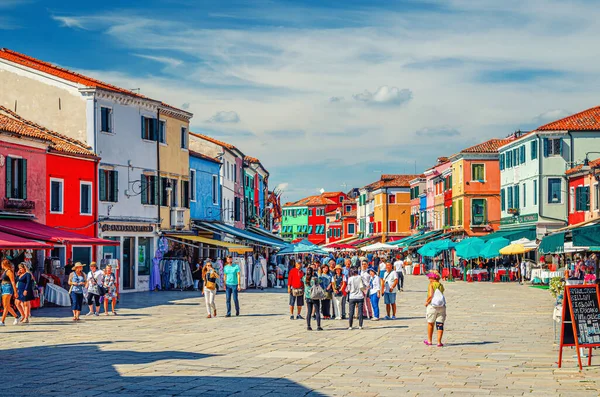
column 546, row 276
column 57, row 295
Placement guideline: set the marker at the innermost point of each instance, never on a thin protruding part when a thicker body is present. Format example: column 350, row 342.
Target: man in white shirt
column 399, row 267
column 364, row 274
column 389, row 287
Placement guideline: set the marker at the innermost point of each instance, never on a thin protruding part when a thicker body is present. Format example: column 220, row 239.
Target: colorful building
column 584, row 192
column 392, row 206
column 260, row 215
column 205, row 188
column 475, row 195
column 435, row 182
column 417, row 189
column 294, row 222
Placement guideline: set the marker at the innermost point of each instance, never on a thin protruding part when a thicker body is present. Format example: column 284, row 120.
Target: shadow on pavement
column 469, row 343
column 85, row 369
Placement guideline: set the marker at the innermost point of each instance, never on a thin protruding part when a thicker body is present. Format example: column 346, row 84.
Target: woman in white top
column 374, row 292
column 356, row 295
column 94, row 281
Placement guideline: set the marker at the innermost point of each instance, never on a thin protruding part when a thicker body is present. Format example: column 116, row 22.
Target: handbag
column 297, row 291
column 101, row 290
column 317, row 292
column 211, row 284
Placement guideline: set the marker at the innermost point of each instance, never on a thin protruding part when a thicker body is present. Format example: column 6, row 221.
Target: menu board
column 585, row 314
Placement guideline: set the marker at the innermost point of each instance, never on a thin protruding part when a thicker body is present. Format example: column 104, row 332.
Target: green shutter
column 586, row 198
column 501, row 158
column 115, row 186
column 143, row 127
column 546, row 147
column 156, row 190
column 522, row 149
column 23, row 179
column 8, row 177
column 144, row 194
column 533, row 150
column 102, row 184
column 502, row 201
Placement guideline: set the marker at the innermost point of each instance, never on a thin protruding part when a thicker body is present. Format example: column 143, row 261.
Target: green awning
column 586, row 236
column 553, row 244
column 406, row 242
column 528, row 232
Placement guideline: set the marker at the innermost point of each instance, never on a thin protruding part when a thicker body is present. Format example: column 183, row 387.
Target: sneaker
column 2, row 324
column 319, row 329
column 393, row 317
column 374, row 319
column 89, row 314
column 387, row 317
column 299, row 317
column 291, row 317
column 338, row 318
column 16, row 322
column 228, row 315
column 97, row 314
column 309, row 328
column 349, row 328
column 359, row 327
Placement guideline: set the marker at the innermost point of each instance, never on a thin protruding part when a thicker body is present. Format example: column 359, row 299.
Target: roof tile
column 490, row 146
column 587, row 120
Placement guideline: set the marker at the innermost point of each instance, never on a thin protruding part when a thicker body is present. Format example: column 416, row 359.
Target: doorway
column 128, row 263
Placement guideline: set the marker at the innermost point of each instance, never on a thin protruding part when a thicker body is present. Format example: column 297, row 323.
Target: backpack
column 438, row 299
column 317, row 292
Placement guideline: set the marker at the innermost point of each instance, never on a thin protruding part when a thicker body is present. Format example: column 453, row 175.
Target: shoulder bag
column 101, row 290
column 316, row 291
column 438, row 300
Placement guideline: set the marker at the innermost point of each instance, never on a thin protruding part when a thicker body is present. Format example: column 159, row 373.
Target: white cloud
column 550, row 115
column 173, row 62
column 225, row 117
column 70, row 22
column 385, row 95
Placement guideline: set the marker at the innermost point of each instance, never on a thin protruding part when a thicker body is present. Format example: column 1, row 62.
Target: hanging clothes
column 175, row 273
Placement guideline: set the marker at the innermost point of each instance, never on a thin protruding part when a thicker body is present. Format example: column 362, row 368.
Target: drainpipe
column 158, row 164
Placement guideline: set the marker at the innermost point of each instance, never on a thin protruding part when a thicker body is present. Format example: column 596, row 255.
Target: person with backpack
column 313, row 295
column 436, row 309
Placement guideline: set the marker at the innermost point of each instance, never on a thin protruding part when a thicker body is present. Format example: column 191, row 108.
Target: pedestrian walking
column 77, row 281
column 9, row 290
column 338, row 284
column 381, row 267
column 366, row 276
column 346, row 270
column 389, row 287
column 436, row 309
column 326, row 284
column 231, row 279
column 313, row 302
column 296, row 291
column 356, row 295
column 197, row 275
column 24, row 292
column 93, row 285
column 210, row 277
column 110, row 288
column 399, row 267
column 374, row 292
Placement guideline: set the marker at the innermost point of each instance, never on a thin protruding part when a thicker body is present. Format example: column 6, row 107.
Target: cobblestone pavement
column 499, row 341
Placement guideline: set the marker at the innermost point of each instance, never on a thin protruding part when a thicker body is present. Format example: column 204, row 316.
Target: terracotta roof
column 205, row 157
column 588, row 120
column 574, row 170
column 10, row 122
column 332, row 212
column 333, row 194
column 251, row 159
column 213, row 140
column 350, row 214
column 393, row 180
column 490, row 146
column 68, row 75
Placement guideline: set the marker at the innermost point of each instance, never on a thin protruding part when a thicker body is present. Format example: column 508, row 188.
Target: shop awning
column 265, row 233
column 415, row 240
column 363, row 241
column 528, row 232
column 242, row 234
column 586, row 236
column 237, row 248
column 553, row 244
column 9, row 241
column 36, row 231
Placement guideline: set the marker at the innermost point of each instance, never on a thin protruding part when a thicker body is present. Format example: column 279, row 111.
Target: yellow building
column 391, row 212
column 173, row 159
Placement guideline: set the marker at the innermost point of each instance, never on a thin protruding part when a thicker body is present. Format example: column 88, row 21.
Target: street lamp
column 586, row 163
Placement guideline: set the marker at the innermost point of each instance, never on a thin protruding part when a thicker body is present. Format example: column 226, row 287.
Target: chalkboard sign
column 580, row 320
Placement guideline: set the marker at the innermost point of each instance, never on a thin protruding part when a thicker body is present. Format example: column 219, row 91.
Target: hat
column 372, row 269
column 93, row 264
column 76, row 265
column 338, row 266
column 433, row 275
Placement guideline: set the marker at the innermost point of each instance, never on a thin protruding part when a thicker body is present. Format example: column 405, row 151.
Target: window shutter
column 517, row 196
column 8, row 177
column 156, row 190
column 102, row 185
column 502, row 202
column 533, row 150
column 501, row 162
column 23, row 179
column 143, row 127
column 144, row 194
column 546, row 147
column 115, row 186
column 586, row 198
column 522, row 149
column 560, row 150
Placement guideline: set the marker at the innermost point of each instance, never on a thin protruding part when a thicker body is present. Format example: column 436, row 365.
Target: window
column 501, row 160
column 351, row 228
column 168, row 194
column 341, row 199
column 82, row 254
column 533, row 150
column 524, row 195
column 517, row 196
column 583, row 198
column 552, row 147
column 597, row 197
column 85, row 198
column 106, row 120
column 162, row 131
column 184, row 138
column 554, row 193
column 149, row 129
column 509, row 159
column 214, row 191
column 227, row 168
column 310, row 230
column 522, row 154
column 16, row 178
column 234, row 172
column 479, row 212
column 348, row 208
column 193, row 185
column 149, row 193
column 174, row 196
column 460, row 212
column 535, row 192
column 108, row 183
column 57, row 194
column 145, row 255
column 237, row 208
column 502, row 200
column 379, row 224
column 185, row 194
column 478, row 172
column 572, row 199
column 392, row 226
column 509, row 197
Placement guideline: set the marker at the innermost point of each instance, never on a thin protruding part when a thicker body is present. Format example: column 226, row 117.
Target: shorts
column 435, row 314
column 7, row 289
column 296, row 300
column 389, row 298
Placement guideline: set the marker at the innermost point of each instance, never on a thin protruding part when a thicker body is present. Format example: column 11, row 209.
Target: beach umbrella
column 302, row 247
column 378, row 247
column 492, row 247
column 515, row 249
column 470, row 248
column 433, row 248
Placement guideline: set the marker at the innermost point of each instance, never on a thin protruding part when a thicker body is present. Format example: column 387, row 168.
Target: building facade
column 391, row 212
column 205, row 188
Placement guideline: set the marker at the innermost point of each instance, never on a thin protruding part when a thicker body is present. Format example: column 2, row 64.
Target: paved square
column 499, row 341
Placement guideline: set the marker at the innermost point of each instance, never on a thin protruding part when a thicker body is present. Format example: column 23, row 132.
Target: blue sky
column 329, row 94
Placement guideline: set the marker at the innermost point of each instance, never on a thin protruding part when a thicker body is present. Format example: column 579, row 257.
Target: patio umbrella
column 525, row 242
column 302, row 247
column 492, row 247
column 469, row 248
column 378, row 247
column 515, row 249
column 433, row 248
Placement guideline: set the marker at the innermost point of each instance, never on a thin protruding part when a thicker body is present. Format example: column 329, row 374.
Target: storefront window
column 110, row 252
column 83, row 255
column 144, row 255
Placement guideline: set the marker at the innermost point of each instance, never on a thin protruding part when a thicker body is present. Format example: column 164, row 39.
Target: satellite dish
column 322, row 190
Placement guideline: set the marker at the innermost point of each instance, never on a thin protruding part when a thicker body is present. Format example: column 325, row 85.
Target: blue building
column 205, row 187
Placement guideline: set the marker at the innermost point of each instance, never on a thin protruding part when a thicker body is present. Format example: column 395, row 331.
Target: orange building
column 391, row 215
column 476, row 188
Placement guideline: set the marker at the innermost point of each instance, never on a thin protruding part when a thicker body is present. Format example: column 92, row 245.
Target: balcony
column 16, row 204
column 178, row 218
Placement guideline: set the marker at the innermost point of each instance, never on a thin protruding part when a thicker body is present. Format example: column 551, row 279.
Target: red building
column 584, row 193
column 334, row 226
column 448, row 198
column 348, row 218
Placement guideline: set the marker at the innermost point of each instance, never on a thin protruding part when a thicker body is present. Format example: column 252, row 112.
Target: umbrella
column 469, row 248
column 341, row 246
column 302, row 247
column 526, row 243
column 378, row 247
column 492, row 247
column 515, row 249
column 433, row 248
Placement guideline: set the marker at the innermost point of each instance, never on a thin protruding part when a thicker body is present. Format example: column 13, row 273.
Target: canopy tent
column 528, row 232
column 378, row 247
column 237, row 248
column 29, row 229
column 363, row 241
column 470, row 248
column 303, row 247
column 492, row 247
column 9, row 241
column 525, row 242
column 434, row 248
column 570, row 248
